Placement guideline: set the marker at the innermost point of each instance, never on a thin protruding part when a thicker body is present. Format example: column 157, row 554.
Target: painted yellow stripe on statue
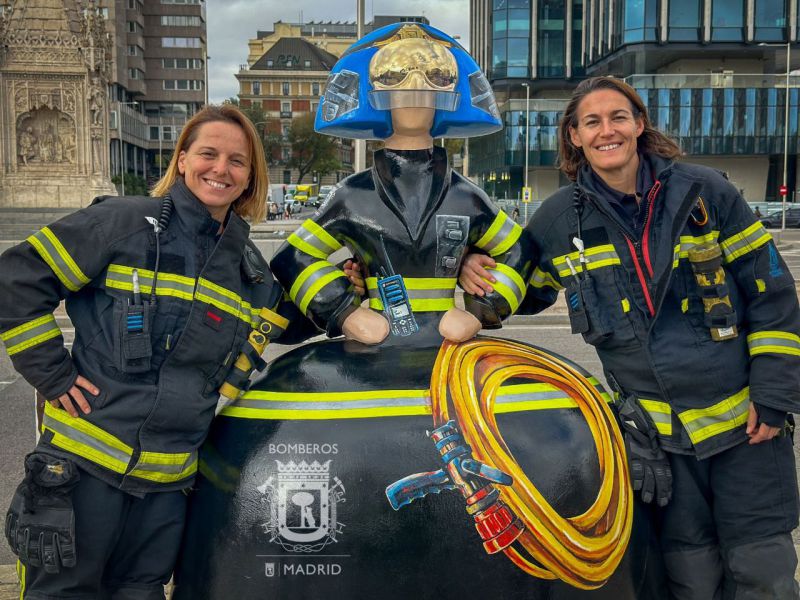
column 325, row 237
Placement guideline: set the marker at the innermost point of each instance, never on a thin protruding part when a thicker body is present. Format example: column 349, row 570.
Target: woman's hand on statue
column 458, row 325
column 352, row 269
column 75, row 397
column 473, row 276
column 365, row 326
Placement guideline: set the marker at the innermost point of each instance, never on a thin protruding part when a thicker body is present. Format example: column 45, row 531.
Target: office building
column 711, row 72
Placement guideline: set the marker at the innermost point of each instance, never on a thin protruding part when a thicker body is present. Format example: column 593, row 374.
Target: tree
column 272, row 142
column 310, row 150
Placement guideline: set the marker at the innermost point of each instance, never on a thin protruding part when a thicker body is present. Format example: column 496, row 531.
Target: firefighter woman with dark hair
column 163, row 293
column 695, row 318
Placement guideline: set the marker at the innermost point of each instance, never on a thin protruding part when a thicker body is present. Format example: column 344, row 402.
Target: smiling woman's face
column 216, row 167
column 607, row 132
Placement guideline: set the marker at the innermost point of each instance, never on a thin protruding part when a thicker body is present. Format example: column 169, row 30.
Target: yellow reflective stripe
column 420, row 283
column 306, row 248
column 626, row 305
column 761, row 286
column 509, row 284
column 420, row 304
column 323, row 235
column 120, row 277
column 596, row 256
column 541, row 278
column 660, row 413
column 255, row 404
column 61, row 263
column 229, row 302
column 774, row 342
column 727, row 414
column 685, row 305
column 310, row 281
column 688, row 241
column 165, row 468
column 21, row 577
column 30, row 334
column 746, row 241
column 501, row 235
column 84, row 426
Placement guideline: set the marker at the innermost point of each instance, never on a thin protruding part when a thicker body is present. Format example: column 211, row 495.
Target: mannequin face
column 413, row 125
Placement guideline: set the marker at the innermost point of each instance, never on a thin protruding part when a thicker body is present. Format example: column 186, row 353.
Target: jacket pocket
column 133, row 346
column 216, row 379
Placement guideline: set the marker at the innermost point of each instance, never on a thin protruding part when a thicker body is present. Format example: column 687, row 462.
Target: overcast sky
column 232, row 22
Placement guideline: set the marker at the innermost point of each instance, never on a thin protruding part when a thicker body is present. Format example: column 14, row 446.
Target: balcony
column 725, row 79
column 286, row 114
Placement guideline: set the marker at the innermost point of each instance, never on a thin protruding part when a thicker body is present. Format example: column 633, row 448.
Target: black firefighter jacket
column 150, row 415
column 368, row 216
column 645, row 312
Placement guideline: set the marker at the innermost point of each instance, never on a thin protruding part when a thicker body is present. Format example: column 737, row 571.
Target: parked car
column 292, row 204
column 773, row 220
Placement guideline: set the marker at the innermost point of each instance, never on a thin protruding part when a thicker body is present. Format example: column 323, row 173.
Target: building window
column 315, row 88
column 285, row 131
column 154, row 133
column 270, row 62
column 286, row 107
column 133, row 50
column 287, row 177
column 183, row 84
column 181, row 42
column 770, row 20
column 285, row 154
column 256, row 85
column 685, row 18
column 288, row 62
column 511, row 35
column 307, row 64
column 182, row 63
column 314, row 107
column 180, row 1
column 727, row 20
column 551, row 42
column 640, row 22
column 133, row 27
column 181, row 21
column 286, row 89
column 135, row 74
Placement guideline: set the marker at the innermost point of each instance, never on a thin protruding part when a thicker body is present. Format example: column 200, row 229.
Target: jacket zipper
column 640, row 250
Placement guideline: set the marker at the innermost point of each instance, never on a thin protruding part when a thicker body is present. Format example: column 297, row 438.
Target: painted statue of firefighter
column 405, row 459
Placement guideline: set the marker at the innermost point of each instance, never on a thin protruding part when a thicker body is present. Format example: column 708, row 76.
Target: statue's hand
column 458, row 325
column 366, row 326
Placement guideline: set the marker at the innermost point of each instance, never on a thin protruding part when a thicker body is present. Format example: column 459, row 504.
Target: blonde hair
column 251, row 205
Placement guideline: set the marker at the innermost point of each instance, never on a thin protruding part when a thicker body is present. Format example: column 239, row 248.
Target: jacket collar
column 383, row 176
column 195, row 219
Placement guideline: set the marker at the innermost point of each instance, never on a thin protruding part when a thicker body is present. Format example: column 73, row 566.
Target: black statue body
column 292, row 499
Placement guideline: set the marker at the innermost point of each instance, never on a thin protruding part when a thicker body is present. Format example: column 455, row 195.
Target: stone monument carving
column 54, row 68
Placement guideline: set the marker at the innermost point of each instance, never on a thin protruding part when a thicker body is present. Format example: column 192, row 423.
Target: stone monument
column 55, row 58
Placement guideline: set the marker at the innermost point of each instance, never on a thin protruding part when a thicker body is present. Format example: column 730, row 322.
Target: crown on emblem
column 303, row 471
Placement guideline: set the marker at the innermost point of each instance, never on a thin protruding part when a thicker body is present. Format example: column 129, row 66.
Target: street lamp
column 785, row 132
column 121, row 146
column 527, row 140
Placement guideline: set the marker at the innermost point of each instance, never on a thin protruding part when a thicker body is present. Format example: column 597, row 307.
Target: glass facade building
column 711, row 72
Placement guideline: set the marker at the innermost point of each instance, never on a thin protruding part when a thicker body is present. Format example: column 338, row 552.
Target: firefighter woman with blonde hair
column 694, row 315
column 163, row 292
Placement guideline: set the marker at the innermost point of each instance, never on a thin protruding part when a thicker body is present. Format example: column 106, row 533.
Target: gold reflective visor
column 413, row 64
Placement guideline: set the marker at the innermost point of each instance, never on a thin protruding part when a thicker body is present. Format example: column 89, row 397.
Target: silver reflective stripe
column 729, row 413
column 419, row 294
column 166, row 282
column 541, row 278
column 30, row 334
column 57, row 257
column 660, row 413
column 313, row 278
column 313, row 240
column 79, row 436
column 777, row 342
column 510, row 283
column 335, row 405
column 502, row 235
column 217, row 298
column 740, row 244
column 169, row 469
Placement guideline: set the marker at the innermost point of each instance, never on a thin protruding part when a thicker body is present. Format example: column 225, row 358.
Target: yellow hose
column 583, row 550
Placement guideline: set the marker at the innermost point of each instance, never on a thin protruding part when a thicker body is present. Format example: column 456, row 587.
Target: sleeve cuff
column 772, row 417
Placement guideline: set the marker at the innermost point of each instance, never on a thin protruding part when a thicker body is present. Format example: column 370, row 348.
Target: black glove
column 40, row 524
column 650, row 470
column 649, row 465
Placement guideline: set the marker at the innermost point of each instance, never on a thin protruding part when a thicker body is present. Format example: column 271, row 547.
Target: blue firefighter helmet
column 406, row 65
